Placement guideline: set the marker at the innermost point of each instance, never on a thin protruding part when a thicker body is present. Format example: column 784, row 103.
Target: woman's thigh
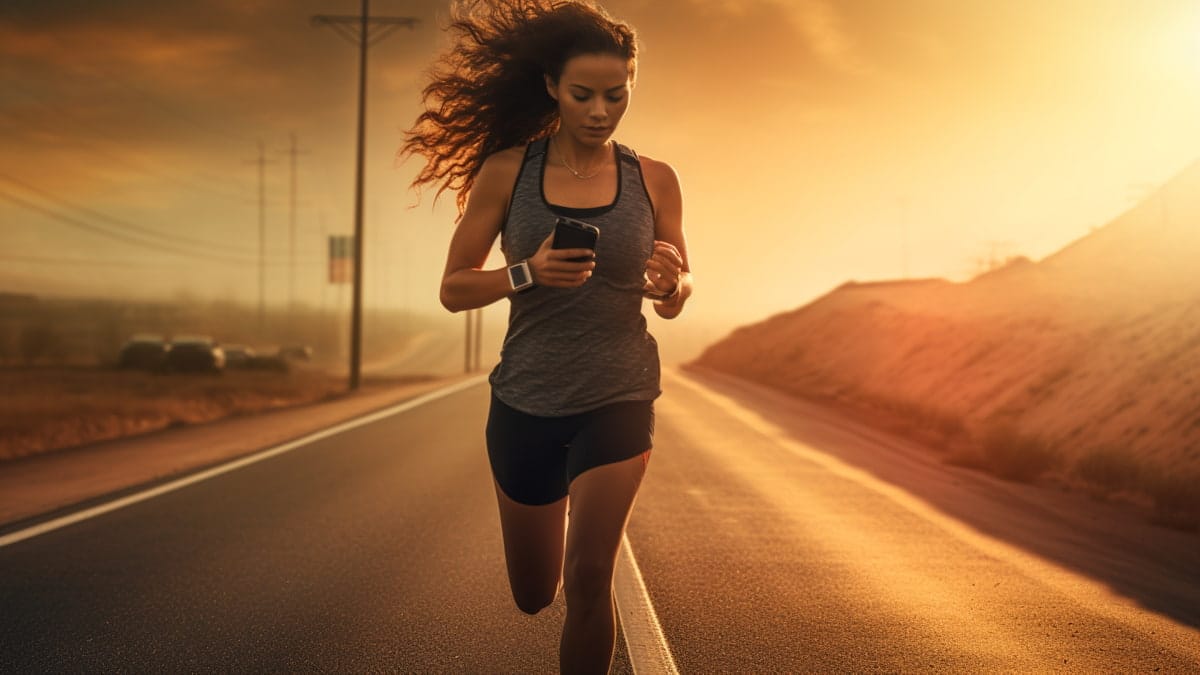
column 528, row 457
column 533, row 549
column 601, row 501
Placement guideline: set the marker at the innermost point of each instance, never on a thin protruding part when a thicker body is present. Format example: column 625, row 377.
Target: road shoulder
column 37, row 487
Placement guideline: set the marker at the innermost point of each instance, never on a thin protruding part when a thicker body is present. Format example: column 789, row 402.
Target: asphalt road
column 772, row 536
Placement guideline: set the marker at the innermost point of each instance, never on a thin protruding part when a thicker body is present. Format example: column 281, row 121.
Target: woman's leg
column 601, row 499
column 528, row 457
column 533, row 549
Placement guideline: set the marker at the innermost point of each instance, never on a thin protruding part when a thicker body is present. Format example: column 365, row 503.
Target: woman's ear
column 551, row 87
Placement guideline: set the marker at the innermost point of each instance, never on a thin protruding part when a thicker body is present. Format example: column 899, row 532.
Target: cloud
column 823, row 28
column 120, row 45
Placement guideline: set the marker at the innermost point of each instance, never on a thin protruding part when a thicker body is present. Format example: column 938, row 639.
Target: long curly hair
column 488, row 92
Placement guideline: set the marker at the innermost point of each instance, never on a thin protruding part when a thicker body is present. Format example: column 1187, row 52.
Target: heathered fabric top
column 569, row 350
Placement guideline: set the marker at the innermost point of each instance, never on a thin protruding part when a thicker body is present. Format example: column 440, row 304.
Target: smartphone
column 571, row 233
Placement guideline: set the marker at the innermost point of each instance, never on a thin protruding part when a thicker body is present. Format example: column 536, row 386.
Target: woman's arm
column 670, row 258
column 465, row 285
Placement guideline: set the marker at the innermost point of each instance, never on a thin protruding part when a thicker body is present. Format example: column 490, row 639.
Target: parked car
column 273, row 362
column 238, row 356
column 245, row 358
column 144, row 351
column 296, row 352
column 195, row 353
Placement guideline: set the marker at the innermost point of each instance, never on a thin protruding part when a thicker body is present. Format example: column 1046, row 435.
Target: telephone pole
column 479, row 338
column 357, row 29
column 262, row 235
column 292, row 151
column 473, row 342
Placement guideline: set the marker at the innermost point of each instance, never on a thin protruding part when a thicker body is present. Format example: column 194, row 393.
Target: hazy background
column 817, row 141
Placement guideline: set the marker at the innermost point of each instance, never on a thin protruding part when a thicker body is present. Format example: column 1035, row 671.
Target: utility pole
column 473, row 342
column 356, row 29
column 325, row 270
column 293, row 151
column 262, row 235
column 467, row 342
column 479, row 338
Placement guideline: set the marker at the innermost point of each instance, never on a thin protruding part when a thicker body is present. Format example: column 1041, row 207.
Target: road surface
column 771, row 536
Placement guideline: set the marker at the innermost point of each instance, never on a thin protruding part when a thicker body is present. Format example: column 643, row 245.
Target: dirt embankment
column 1083, row 367
column 44, row 409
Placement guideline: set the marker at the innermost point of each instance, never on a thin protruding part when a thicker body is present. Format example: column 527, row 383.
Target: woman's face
column 592, row 96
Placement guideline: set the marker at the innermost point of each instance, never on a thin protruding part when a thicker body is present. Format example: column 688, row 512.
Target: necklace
column 562, row 159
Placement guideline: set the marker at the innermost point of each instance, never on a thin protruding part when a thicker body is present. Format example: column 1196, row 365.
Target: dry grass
column 1085, row 348
column 939, row 421
column 919, row 420
column 44, row 409
column 1173, row 496
column 1015, row 456
column 1176, row 498
column 1108, row 469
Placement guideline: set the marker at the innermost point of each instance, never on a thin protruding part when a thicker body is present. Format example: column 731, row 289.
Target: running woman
column 519, row 120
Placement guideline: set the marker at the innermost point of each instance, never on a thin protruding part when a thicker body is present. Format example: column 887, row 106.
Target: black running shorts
column 534, row 459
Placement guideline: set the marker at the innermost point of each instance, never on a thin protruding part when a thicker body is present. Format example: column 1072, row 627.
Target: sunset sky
column 817, row 140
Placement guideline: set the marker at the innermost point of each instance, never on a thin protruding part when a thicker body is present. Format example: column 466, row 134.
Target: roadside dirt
column 1080, row 367
column 39, row 484
column 47, row 409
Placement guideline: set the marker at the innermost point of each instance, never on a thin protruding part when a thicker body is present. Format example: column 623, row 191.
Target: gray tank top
column 569, row 350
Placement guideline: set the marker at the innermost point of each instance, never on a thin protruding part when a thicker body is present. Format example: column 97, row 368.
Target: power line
column 99, row 262
column 346, row 26
column 119, row 236
column 140, row 164
column 145, row 231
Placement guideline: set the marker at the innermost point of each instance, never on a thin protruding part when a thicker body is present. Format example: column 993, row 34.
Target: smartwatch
column 519, row 276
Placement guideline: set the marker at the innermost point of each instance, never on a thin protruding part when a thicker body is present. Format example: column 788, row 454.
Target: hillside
column 1090, row 356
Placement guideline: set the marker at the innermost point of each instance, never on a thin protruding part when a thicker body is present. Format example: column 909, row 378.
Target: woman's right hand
column 550, row 266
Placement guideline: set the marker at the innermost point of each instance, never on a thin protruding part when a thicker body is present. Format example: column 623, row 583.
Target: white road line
column 1093, row 594
column 648, row 649
column 92, row 512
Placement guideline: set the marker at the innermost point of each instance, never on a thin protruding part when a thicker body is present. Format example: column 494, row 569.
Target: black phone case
column 571, row 233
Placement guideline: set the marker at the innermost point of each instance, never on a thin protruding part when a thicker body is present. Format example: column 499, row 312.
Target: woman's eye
column 615, row 99
column 580, row 98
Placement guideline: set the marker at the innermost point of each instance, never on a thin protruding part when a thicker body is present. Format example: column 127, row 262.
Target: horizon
column 885, row 142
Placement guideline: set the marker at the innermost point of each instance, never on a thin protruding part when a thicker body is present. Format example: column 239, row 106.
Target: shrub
column 1014, row 456
column 1110, row 468
column 39, row 341
column 911, row 415
column 1176, row 498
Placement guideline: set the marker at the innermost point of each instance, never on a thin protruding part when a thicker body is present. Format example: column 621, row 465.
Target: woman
column 519, row 121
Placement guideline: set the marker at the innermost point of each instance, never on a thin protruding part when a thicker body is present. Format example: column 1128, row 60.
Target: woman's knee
column 587, row 578
column 532, row 601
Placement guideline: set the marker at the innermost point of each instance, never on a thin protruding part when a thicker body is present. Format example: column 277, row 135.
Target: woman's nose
column 598, row 110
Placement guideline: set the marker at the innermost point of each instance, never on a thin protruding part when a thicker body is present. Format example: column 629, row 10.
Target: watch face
column 517, row 275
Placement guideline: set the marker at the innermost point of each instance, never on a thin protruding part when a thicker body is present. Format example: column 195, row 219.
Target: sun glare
column 1192, row 41
column 1195, row 44
column 1177, row 43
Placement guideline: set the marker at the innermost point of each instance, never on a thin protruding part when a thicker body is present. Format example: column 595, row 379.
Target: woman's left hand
column 663, row 270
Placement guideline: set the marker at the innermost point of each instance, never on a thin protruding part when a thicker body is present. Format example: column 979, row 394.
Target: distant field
column 48, row 408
